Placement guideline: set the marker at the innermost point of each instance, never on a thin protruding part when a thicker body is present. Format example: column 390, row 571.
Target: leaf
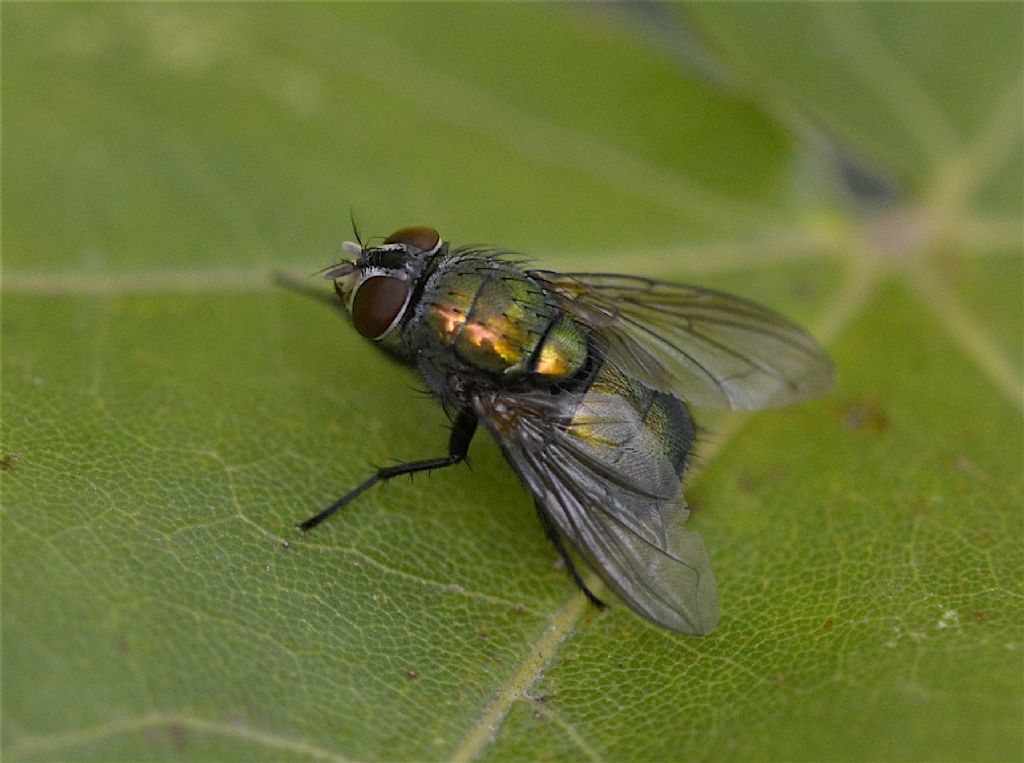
column 169, row 414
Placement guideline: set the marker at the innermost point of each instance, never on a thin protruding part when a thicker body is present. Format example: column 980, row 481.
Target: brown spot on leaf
column 968, row 467
column 9, row 461
column 179, row 736
column 865, row 414
column 747, row 483
column 806, row 289
column 828, row 624
column 412, row 674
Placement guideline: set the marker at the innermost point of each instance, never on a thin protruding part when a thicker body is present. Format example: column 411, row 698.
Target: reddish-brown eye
column 417, row 236
column 378, row 303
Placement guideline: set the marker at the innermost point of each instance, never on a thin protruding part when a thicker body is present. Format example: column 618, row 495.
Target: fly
column 584, row 380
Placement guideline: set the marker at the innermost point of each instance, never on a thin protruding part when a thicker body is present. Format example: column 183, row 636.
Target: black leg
column 458, row 447
column 552, row 531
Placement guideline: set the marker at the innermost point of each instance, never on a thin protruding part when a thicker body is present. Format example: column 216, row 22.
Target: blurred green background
column 168, row 414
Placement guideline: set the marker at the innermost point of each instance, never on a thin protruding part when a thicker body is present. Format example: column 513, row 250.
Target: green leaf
column 169, row 415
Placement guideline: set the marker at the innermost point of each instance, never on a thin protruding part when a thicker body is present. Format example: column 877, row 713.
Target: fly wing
column 602, row 478
column 710, row 348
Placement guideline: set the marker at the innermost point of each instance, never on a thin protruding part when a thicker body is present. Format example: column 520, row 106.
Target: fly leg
column 458, row 446
column 556, row 539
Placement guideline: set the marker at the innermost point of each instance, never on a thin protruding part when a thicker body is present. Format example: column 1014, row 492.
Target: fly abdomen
column 647, row 434
column 672, row 427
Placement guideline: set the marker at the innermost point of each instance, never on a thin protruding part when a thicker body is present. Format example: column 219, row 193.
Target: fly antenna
column 355, row 227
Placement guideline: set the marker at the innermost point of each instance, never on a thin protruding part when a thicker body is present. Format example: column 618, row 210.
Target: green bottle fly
column 584, row 380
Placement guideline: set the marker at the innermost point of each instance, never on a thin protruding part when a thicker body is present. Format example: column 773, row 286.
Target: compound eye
column 417, row 237
column 378, row 303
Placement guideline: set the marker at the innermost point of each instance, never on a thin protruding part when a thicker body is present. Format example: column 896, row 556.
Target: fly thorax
column 493, row 318
column 562, row 352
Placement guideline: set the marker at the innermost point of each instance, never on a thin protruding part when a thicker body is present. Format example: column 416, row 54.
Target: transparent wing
column 710, row 348
column 604, row 485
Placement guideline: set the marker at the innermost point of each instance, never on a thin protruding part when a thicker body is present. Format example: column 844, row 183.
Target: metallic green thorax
column 489, row 316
